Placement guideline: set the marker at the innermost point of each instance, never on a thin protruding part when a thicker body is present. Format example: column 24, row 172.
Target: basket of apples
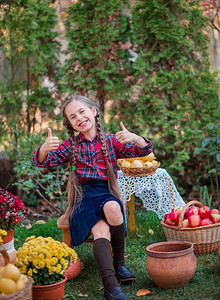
column 195, row 223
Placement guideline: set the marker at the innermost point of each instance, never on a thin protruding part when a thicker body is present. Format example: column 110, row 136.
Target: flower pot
column 54, row 291
column 73, row 270
column 8, row 244
column 171, row 264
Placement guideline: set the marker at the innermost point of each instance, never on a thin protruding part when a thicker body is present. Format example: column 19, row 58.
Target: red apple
column 177, row 209
column 193, row 210
column 204, row 212
column 194, row 220
column 165, row 217
column 185, row 223
column 215, row 218
column 172, row 218
column 215, row 211
column 205, row 222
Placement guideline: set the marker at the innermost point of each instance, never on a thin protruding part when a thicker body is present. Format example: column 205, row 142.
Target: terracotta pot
column 8, row 244
column 171, row 264
column 54, row 291
column 73, row 270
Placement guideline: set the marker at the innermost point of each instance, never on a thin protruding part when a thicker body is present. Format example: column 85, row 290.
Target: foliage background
column 144, row 62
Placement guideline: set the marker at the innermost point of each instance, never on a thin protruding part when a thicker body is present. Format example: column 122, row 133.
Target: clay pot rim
column 169, row 254
column 50, row 285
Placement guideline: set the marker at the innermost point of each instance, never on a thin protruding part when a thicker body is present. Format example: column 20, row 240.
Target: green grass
column 205, row 283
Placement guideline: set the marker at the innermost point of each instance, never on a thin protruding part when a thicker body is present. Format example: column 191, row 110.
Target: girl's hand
column 125, row 136
column 52, row 142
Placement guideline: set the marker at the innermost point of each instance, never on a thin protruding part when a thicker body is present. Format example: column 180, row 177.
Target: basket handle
column 4, row 255
column 180, row 224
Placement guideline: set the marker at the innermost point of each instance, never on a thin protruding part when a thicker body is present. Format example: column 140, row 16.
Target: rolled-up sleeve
column 56, row 157
column 131, row 150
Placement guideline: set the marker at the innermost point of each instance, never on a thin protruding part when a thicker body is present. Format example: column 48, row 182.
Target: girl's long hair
column 74, row 187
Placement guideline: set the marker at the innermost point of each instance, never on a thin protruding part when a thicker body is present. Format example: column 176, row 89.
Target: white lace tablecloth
column 157, row 192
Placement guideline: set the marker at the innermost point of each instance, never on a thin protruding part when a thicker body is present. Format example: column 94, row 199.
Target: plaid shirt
column 90, row 162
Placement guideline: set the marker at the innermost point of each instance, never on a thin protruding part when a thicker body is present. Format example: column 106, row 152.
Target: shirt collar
column 81, row 138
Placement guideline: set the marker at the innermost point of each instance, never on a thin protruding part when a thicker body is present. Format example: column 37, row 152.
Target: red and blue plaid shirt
column 90, row 162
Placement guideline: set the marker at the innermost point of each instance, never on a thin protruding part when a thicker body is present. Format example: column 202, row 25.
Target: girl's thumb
column 49, row 132
column 122, row 126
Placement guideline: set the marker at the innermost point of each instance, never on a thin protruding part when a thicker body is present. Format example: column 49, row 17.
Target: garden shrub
column 176, row 93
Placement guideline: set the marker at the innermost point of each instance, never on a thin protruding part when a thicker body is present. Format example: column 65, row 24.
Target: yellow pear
column 137, row 164
column 7, row 286
column 24, row 278
column 154, row 162
column 150, row 157
column 119, row 161
column 21, row 282
column 125, row 163
column 11, row 272
column 148, row 164
column 1, row 270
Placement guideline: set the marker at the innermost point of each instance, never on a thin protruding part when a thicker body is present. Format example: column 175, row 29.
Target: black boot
column 103, row 258
column 118, row 249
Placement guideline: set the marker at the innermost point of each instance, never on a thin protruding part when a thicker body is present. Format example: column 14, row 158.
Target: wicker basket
column 138, row 172
column 206, row 239
column 23, row 294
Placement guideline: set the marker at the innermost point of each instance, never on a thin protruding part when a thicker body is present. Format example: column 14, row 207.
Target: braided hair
column 74, row 188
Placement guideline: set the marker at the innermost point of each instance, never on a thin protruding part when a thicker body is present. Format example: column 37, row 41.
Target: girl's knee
column 112, row 211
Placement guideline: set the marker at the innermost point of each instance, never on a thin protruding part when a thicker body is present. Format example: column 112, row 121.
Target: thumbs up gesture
column 52, row 142
column 124, row 136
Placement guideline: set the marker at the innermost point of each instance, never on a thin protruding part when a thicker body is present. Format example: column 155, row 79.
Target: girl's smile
column 82, row 118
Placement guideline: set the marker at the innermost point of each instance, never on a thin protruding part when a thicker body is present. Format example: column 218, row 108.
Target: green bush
column 176, row 94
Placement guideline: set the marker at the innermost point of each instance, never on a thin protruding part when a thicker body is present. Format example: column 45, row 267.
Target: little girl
column 95, row 206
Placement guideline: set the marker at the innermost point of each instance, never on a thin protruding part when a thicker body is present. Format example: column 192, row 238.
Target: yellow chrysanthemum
column 23, row 269
column 41, row 264
column 35, row 262
column 30, row 272
column 41, row 256
column 54, row 260
column 3, row 232
column 58, row 269
column 30, row 238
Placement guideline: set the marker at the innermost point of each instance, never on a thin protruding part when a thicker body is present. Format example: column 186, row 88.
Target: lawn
column 205, row 283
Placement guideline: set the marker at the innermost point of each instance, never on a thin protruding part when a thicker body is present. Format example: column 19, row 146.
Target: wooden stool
column 63, row 224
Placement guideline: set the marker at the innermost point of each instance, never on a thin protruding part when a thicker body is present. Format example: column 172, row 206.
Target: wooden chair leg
column 131, row 214
column 66, row 237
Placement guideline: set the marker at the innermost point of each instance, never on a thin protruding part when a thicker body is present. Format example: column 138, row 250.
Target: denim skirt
column 89, row 210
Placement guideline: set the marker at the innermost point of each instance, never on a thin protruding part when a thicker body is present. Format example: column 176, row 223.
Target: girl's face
column 81, row 117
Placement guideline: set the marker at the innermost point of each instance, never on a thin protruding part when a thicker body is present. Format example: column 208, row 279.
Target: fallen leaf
column 151, row 231
column 82, row 295
column 40, row 222
column 142, row 292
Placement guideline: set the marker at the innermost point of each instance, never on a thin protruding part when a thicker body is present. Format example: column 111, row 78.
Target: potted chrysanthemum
column 45, row 260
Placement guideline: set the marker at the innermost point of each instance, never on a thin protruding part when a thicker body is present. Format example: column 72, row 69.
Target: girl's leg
column 103, row 257
column 114, row 218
